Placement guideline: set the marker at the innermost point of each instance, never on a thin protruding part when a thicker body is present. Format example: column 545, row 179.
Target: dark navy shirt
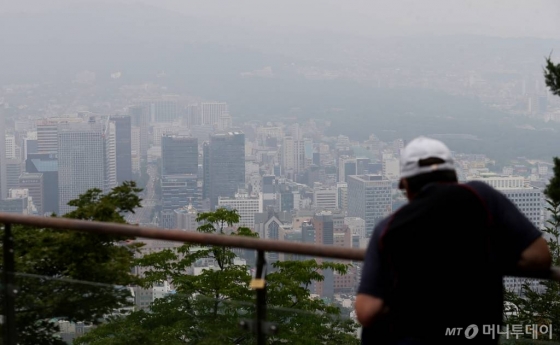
column 516, row 233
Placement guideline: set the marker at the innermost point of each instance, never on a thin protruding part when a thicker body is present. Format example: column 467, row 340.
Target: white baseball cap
column 422, row 148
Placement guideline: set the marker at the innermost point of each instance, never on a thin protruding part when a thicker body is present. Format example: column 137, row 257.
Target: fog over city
column 516, row 18
column 373, row 60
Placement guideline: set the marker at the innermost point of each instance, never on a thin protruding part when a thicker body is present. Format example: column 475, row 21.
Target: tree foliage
column 552, row 190
column 552, row 76
column 207, row 307
column 71, row 275
column 541, row 306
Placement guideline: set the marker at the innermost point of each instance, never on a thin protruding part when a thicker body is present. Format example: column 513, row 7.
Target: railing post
column 261, row 299
column 8, row 285
column 259, row 325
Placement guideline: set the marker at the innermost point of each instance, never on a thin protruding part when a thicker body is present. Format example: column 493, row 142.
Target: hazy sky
column 510, row 18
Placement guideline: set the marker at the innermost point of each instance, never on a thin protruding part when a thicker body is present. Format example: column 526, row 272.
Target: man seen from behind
column 438, row 262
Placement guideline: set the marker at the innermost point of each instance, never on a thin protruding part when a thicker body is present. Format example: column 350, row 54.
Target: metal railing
column 259, row 326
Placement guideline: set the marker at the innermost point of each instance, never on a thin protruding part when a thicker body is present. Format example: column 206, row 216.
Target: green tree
column 207, row 307
column 552, row 76
column 49, row 264
column 542, row 306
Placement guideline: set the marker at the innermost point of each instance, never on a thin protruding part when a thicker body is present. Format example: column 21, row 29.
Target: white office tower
column 47, row 137
column 11, row 151
column 163, row 109
column 211, row 112
column 110, row 155
column 325, row 198
column 81, row 161
column 246, row 205
column 3, row 176
column 369, row 197
column 47, row 132
column 391, row 168
column 293, row 156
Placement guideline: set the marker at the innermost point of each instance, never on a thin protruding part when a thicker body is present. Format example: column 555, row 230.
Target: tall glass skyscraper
column 226, row 165
column 179, row 176
column 179, row 155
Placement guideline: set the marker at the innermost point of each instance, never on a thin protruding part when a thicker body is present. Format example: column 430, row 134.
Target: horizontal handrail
column 128, row 230
column 312, row 250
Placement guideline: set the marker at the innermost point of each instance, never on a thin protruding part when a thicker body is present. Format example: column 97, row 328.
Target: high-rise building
column 29, row 147
column 81, row 161
column 211, row 112
column 3, row 181
column 226, row 165
column 47, row 165
column 166, row 109
column 293, row 156
column 110, row 137
column 342, row 195
column 206, row 170
column 325, row 198
column 135, row 147
column 246, row 206
column 14, row 168
column 391, row 168
column 269, row 191
column 47, row 132
column 362, row 165
column 369, row 197
column 179, row 155
column 140, row 118
column 123, row 131
column 47, row 137
column 180, row 190
column 346, row 167
column 11, row 146
column 179, row 176
column 33, row 182
column 324, row 234
column 324, row 228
